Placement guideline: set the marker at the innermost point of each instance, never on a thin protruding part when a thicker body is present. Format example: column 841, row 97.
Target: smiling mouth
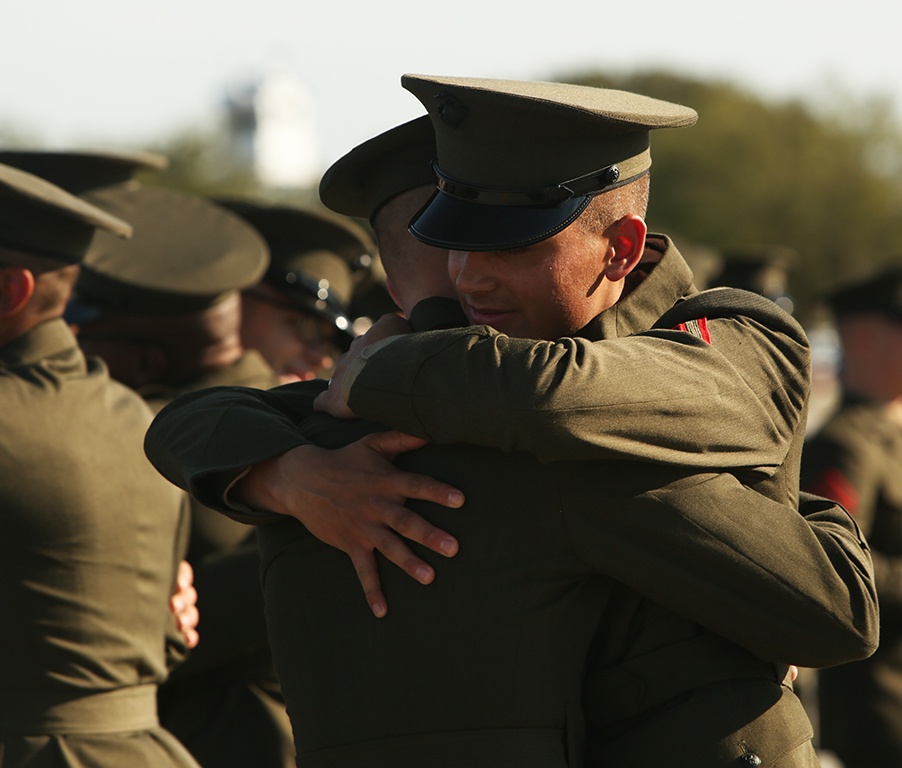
column 487, row 315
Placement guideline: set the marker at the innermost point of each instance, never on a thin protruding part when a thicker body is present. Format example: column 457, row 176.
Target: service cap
column 366, row 178
column 79, row 171
column 39, row 218
column 880, row 293
column 518, row 161
column 313, row 255
column 186, row 254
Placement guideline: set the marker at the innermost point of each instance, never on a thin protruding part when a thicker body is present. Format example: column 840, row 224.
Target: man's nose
column 471, row 271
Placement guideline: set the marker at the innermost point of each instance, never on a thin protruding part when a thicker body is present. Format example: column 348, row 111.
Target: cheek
column 577, row 290
column 455, row 264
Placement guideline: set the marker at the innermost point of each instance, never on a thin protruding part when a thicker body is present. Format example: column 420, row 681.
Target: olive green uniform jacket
column 555, row 531
column 225, row 703
column 738, row 401
column 857, row 459
column 90, row 542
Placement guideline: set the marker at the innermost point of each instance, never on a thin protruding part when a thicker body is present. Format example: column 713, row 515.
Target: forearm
column 203, row 442
column 662, row 396
column 704, row 547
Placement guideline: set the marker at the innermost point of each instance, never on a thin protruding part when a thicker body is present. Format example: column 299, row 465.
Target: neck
column 198, row 361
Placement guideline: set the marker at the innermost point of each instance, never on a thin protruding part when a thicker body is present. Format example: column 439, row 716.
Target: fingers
column 393, row 442
column 330, row 401
column 192, row 638
column 397, row 552
column 408, row 485
column 353, row 498
column 187, row 623
column 183, row 604
column 185, row 577
column 368, row 574
column 411, row 526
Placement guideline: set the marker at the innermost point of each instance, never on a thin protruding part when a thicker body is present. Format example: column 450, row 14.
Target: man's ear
column 393, row 292
column 16, row 290
column 626, row 243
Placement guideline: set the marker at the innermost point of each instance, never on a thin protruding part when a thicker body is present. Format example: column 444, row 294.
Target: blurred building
column 272, row 130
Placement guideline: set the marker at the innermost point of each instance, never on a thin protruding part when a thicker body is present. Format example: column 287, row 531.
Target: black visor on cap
column 460, row 225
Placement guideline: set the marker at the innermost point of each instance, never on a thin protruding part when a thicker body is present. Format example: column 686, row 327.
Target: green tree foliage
column 754, row 173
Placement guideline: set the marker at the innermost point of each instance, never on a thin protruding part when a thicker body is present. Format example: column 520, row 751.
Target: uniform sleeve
column 703, row 546
column 841, row 464
column 203, row 441
column 664, row 396
column 847, row 462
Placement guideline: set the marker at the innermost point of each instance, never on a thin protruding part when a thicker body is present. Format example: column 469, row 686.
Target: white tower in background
column 273, row 127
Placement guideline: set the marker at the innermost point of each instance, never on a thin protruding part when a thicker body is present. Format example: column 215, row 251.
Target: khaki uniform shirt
column 857, row 459
column 90, row 544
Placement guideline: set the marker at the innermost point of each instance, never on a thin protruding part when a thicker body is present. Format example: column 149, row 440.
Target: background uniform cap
column 313, row 255
column 366, row 178
column 186, row 254
column 81, row 171
column 880, row 293
column 518, row 161
column 39, row 218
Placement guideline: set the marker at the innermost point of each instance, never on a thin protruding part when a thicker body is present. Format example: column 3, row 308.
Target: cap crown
column 306, row 248
column 366, row 178
column 39, row 218
column 510, row 134
column 80, row 171
column 186, row 253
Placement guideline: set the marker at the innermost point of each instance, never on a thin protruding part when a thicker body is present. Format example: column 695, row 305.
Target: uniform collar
column 249, row 370
column 49, row 339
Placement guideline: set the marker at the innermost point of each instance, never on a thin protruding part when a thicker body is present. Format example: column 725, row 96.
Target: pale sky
column 94, row 73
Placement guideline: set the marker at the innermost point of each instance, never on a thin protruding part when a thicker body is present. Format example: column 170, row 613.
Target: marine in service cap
column 519, row 161
column 186, row 254
column 880, row 293
column 40, row 219
column 81, row 171
column 313, row 257
column 362, row 181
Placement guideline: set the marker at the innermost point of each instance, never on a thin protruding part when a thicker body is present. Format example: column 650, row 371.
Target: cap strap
column 591, row 183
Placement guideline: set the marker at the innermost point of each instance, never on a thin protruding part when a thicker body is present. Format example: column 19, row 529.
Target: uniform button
column 750, row 759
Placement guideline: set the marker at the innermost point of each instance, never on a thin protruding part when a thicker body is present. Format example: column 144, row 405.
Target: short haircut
column 605, row 209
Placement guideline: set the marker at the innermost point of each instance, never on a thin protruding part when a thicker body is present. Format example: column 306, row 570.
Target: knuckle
column 388, row 543
column 404, row 521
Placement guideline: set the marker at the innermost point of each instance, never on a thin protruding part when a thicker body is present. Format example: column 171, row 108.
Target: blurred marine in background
column 90, row 541
column 856, row 458
column 164, row 311
column 297, row 316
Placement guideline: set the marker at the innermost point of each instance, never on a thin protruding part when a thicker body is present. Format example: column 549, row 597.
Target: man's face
column 299, row 346
column 872, row 351
column 543, row 291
